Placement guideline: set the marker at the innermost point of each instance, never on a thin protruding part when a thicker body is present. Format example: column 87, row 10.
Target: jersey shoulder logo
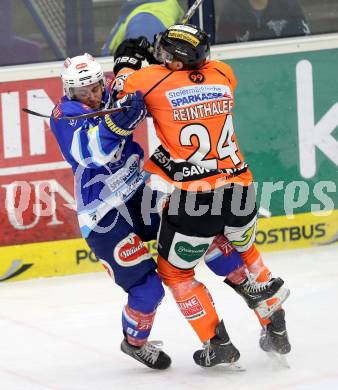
column 57, row 112
column 196, row 77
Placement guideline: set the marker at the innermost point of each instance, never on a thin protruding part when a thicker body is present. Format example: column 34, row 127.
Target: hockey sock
column 195, row 303
column 192, row 298
column 224, row 260
column 137, row 325
column 254, row 262
column 138, row 315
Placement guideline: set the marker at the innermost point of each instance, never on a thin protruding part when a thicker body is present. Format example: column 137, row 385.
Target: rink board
column 286, row 122
column 73, row 256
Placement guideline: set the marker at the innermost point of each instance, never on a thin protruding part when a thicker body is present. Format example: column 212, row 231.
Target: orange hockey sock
column 192, row 298
column 254, row 262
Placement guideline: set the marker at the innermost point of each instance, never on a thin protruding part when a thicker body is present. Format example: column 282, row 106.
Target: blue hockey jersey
column 107, row 168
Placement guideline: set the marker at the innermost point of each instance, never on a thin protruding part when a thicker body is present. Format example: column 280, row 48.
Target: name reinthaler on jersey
column 200, row 101
column 204, row 110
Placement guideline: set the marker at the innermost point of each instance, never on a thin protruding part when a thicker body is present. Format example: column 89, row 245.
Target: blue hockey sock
column 138, row 315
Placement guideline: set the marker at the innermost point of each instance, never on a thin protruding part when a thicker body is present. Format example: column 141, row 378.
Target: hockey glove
column 130, row 54
column 124, row 122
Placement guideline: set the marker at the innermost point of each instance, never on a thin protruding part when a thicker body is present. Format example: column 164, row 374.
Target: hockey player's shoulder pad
column 121, row 78
column 58, row 110
column 149, row 73
column 66, row 107
column 145, row 78
column 224, row 69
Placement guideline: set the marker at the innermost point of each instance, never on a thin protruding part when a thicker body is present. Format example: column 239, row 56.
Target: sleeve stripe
column 115, row 129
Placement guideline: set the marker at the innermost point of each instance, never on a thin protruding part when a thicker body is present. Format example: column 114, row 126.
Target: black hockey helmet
column 183, row 42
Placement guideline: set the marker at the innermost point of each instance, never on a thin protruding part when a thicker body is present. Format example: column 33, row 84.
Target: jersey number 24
column 226, row 147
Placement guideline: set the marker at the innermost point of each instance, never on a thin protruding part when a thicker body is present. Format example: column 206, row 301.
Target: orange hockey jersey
column 192, row 113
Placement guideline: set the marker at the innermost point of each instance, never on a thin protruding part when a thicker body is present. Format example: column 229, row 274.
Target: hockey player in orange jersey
column 191, row 100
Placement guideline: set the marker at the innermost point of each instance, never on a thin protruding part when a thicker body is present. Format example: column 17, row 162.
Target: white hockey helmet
column 80, row 71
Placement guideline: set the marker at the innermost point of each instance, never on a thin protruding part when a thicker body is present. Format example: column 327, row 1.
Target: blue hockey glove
column 133, row 112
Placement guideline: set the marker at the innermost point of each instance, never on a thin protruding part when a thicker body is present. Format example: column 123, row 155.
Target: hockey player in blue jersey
column 109, row 188
column 109, row 182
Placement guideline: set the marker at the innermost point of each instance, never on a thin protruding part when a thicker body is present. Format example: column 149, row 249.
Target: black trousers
column 205, row 214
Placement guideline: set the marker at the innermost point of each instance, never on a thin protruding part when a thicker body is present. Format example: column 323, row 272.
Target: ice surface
column 64, row 333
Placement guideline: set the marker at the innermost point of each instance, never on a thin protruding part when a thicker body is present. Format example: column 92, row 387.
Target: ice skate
column 274, row 339
column 264, row 297
column 218, row 350
column 150, row 354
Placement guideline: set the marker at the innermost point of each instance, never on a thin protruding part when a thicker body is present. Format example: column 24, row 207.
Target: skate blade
column 265, row 311
column 278, row 360
column 234, row 367
column 228, row 367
